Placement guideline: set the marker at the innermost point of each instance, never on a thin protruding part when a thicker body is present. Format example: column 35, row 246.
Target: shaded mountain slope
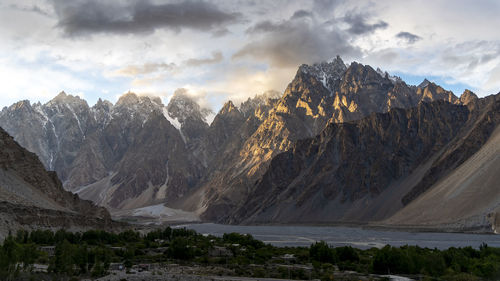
column 461, row 190
column 38, row 195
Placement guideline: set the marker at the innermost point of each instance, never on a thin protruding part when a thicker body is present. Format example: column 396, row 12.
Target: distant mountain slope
column 32, row 197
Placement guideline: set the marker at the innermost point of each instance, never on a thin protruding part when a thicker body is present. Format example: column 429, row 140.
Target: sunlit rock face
column 319, row 94
column 348, row 162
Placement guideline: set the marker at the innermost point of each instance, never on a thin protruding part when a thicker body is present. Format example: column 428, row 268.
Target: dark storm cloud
column 295, row 41
column 302, row 14
column 87, row 17
column 409, row 37
column 263, row 27
column 359, row 26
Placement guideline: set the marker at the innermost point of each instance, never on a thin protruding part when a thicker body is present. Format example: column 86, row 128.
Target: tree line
column 90, row 253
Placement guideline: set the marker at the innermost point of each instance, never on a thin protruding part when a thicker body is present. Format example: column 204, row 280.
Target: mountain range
column 342, row 144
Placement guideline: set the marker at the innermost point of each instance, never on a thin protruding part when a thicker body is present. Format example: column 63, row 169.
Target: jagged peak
column 424, row 83
column 326, row 72
column 366, row 74
column 19, row 105
column 183, row 105
column 468, row 96
column 181, row 93
column 182, row 98
column 228, row 107
column 270, row 94
column 62, row 96
column 324, row 66
column 103, row 103
column 384, row 74
column 73, row 101
column 130, row 98
column 356, row 65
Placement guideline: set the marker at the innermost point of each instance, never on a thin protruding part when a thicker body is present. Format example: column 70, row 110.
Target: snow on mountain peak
column 326, row 72
column 183, row 106
column 385, row 74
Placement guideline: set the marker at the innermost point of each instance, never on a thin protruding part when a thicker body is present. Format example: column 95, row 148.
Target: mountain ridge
column 140, row 152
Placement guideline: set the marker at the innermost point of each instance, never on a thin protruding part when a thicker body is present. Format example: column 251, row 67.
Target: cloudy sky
column 221, row 50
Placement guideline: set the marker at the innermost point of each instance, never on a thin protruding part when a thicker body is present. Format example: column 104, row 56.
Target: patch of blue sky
column 446, row 82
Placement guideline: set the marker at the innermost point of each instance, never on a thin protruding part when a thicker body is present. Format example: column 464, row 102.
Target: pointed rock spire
column 228, row 108
column 424, row 83
column 467, row 97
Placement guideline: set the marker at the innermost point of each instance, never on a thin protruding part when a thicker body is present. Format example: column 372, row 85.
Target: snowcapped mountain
column 90, row 145
column 328, row 73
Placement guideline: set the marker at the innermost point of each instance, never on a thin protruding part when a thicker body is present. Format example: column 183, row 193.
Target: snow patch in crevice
column 209, row 118
column 174, row 121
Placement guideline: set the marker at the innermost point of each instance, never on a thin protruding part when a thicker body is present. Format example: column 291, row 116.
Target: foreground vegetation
column 90, row 254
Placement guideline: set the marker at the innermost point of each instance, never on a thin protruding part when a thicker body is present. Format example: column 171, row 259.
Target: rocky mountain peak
column 467, row 97
column 20, row 105
column 131, row 98
column 102, row 112
column 432, row 92
column 248, row 107
column 182, row 106
column 135, row 102
column 103, row 104
column 127, row 98
column 228, row 108
column 131, row 106
column 359, row 76
column 326, row 72
column 62, row 97
column 424, row 83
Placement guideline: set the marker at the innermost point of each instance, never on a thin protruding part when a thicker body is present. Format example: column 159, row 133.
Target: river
column 354, row 236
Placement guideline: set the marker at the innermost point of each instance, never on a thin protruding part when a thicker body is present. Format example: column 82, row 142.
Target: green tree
column 28, row 255
column 320, row 251
column 180, row 249
column 63, row 259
